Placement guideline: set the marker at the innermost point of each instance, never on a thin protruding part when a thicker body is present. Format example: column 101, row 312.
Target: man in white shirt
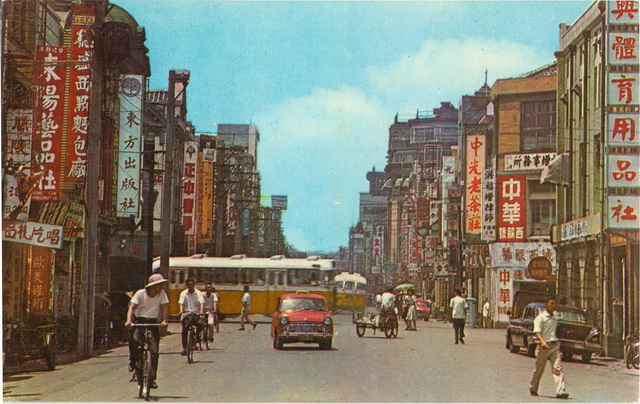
column 191, row 306
column 486, row 319
column 544, row 326
column 246, row 308
column 210, row 306
column 148, row 306
column 459, row 309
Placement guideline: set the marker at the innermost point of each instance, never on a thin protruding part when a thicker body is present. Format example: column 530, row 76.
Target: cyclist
column 147, row 306
column 191, row 307
column 387, row 304
column 210, row 307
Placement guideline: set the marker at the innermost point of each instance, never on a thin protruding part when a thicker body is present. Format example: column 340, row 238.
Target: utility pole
column 151, row 159
column 165, row 224
column 91, row 203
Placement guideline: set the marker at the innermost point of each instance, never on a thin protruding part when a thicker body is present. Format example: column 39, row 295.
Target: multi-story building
column 596, row 237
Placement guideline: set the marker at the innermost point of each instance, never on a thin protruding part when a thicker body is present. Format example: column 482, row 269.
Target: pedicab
column 386, row 322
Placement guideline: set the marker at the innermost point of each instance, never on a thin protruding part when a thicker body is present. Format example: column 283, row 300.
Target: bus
column 351, row 291
column 267, row 278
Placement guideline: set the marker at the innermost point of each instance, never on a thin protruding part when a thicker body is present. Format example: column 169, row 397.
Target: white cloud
column 444, row 70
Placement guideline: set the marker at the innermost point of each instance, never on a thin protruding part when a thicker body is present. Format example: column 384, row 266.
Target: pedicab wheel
column 388, row 328
column 360, row 329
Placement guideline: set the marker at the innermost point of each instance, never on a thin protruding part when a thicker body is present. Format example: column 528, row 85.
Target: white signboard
column 489, row 205
column 448, row 169
column 518, row 255
column 623, row 130
column 622, row 212
column 530, row 161
column 40, row 234
column 623, row 170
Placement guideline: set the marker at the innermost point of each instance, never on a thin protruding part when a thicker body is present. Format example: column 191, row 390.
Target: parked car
column 302, row 317
column 423, row 309
column 575, row 335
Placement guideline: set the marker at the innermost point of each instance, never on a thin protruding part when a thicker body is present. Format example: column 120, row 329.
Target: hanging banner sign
column 473, row 193
column 512, row 199
column 448, row 169
column 46, row 149
column 489, row 205
column 189, row 186
column 129, row 145
column 79, row 93
column 204, row 192
column 38, row 288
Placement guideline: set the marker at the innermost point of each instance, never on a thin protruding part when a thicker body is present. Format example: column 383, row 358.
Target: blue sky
column 323, row 81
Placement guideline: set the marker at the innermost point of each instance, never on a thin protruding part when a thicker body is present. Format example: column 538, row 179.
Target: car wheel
column 325, row 344
column 512, row 347
column 586, row 357
column 277, row 342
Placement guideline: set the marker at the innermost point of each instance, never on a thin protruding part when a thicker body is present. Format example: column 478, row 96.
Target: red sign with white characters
column 47, row 129
column 512, row 197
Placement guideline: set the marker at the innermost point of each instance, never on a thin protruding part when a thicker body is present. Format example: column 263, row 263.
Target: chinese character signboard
column 531, row 161
column 19, row 129
column 204, row 192
column 623, row 105
column 50, row 73
column 489, row 205
column 448, row 169
column 79, row 94
column 38, row 234
column 129, row 145
column 473, row 191
column 38, row 281
column 279, row 202
column 189, row 187
column 378, row 250
column 511, row 207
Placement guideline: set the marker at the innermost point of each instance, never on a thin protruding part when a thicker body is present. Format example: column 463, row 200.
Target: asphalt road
column 242, row 366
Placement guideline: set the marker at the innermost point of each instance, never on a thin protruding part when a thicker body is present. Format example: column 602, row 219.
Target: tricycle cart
column 29, row 344
column 386, row 322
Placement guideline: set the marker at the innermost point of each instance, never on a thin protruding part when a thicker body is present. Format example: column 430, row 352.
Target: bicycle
column 23, row 344
column 193, row 339
column 65, row 336
column 204, row 332
column 143, row 362
column 631, row 348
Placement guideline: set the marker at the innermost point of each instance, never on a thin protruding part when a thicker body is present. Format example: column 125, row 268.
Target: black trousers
column 458, row 328
column 188, row 319
column 136, row 341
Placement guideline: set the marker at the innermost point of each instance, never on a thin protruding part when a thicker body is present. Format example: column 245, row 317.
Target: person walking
column 544, row 326
column 486, row 308
column 148, row 306
column 191, row 306
column 410, row 318
column 246, row 307
column 459, row 310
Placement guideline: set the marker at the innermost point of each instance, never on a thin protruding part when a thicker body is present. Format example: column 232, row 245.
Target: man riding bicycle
column 146, row 307
column 191, row 307
column 210, row 307
column 387, row 304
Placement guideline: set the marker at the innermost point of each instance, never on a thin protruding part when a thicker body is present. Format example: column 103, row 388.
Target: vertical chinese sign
column 19, row 130
column 46, row 148
column 204, row 191
column 39, row 281
column 79, row 93
column 473, row 192
column 378, row 250
column 489, row 205
column 512, row 207
column 129, row 145
column 189, row 193
column 622, row 141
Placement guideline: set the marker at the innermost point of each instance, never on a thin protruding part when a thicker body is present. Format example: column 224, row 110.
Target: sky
column 323, row 81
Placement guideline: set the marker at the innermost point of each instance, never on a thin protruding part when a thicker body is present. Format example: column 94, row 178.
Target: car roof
column 302, row 295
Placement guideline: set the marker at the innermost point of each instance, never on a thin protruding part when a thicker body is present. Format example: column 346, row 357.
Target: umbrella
column 404, row 286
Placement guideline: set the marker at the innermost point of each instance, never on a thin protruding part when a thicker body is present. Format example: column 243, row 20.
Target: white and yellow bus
column 351, row 291
column 267, row 278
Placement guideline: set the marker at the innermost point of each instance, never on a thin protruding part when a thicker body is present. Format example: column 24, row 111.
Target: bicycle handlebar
column 145, row 325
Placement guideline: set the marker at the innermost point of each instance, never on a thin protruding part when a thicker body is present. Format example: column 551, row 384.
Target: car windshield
column 303, row 304
column 570, row 315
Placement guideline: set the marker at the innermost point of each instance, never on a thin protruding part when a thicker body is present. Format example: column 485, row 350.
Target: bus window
column 190, row 273
column 349, row 285
column 252, row 276
column 181, row 276
column 199, row 277
column 226, row 275
column 208, row 276
column 280, row 278
column 172, row 276
column 361, row 286
column 340, row 284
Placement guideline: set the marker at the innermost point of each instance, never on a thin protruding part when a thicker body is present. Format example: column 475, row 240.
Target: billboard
column 512, row 199
column 473, row 192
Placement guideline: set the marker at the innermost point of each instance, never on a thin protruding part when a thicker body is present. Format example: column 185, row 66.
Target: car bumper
column 305, row 336
column 579, row 346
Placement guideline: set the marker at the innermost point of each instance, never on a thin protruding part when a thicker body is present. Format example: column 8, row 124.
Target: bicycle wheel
column 394, row 329
column 146, row 379
column 191, row 336
column 205, row 337
column 216, row 323
column 388, row 328
column 360, row 329
column 65, row 340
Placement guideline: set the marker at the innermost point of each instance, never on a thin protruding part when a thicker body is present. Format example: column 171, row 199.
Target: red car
column 423, row 309
column 302, row 317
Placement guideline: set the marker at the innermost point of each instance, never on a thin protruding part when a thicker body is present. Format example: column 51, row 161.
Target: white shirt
column 191, row 301
column 246, row 299
column 148, row 306
column 485, row 309
column 546, row 325
column 458, row 305
column 209, row 301
column 387, row 300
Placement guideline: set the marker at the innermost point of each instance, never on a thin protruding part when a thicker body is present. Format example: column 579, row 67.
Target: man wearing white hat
column 148, row 305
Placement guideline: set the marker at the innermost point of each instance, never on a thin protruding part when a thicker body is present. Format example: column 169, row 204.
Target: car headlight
column 327, row 321
column 284, row 320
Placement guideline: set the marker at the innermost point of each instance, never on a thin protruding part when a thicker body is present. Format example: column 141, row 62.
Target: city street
column 242, row 366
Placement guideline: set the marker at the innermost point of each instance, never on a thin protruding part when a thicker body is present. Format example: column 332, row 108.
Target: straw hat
column 155, row 279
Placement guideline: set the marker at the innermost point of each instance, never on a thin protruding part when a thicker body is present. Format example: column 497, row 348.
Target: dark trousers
column 135, row 344
column 458, row 328
column 186, row 320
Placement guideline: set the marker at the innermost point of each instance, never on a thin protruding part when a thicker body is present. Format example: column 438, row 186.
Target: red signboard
column 79, row 94
column 512, row 197
column 47, row 129
column 39, row 281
